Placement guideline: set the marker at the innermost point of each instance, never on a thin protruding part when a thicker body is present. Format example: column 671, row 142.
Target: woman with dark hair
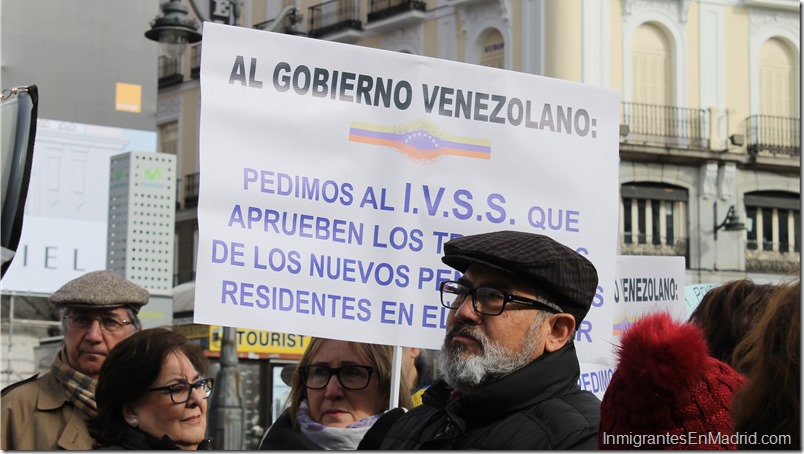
column 152, row 394
column 770, row 404
column 727, row 312
column 337, row 393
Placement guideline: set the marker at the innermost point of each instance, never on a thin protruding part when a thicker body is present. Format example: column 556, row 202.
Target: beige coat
column 36, row 415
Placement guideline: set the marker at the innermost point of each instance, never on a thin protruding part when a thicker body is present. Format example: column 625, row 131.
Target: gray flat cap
column 100, row 290
column 566, row 276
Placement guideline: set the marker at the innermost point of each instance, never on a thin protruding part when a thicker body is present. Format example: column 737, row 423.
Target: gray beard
column 492, row 363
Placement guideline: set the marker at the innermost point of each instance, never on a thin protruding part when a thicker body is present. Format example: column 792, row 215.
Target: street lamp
column 731, row 223
column 173, row 30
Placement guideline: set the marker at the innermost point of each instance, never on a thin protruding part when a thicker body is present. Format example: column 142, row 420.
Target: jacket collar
column 51, row 394
column 549, row 375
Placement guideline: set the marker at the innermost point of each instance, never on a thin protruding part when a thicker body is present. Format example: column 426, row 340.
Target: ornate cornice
column 709, row 180
column 727, row 180
column 672, row 8
column 408, row 38
column 471, row 15
column 761, row 20
column 168, row 109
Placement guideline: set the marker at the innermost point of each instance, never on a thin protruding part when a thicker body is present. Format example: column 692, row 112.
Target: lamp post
column 173, row 30
column 226, row 419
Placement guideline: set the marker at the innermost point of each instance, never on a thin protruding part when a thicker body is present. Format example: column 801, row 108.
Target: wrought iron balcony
column 385, row 9
column 169, row 72
column 666, row 126
column 338, row 20
column 195, row 61
column 191, row 185
column 776, row 136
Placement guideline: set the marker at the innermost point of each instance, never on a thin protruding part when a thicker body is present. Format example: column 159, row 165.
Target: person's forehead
column 176, row 363
column 335, row 351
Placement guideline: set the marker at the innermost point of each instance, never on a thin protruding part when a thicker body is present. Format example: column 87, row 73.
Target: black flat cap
column 568, row 278
column 100, row 290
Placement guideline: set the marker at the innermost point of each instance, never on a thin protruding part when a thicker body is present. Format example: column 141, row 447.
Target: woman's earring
column 133, row 422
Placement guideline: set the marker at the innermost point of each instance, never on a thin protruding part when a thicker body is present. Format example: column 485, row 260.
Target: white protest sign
column 595, row 378
column 694, row 293
column 648, row 284
column 333, row 174
column 643, row 284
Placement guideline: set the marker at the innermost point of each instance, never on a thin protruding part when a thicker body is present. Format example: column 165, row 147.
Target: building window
column 774, row 222
column 651, row 66
column 168, row 137
column 493, row 50
column 777, row 79
column 653, row 219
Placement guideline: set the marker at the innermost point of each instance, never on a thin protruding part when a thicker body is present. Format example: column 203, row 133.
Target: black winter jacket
column 537, row 407
column 282, row 437
column 137, row 440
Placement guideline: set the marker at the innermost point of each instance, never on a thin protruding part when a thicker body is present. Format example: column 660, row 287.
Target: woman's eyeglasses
column 180, row 392
column 350, row 377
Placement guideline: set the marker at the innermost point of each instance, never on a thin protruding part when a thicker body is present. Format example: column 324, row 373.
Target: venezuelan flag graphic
column 420, row 140
column 619, row 327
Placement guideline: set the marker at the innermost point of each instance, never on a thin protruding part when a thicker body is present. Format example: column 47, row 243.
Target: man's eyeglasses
column 108, row 323
column 487, row 300
column 350, row 377
column 180, row 392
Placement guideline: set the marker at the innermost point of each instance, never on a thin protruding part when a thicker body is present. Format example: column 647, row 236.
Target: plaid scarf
column 79, row 388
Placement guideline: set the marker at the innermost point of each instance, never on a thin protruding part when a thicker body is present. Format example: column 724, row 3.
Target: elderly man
column 98, row 310
column 508, row 365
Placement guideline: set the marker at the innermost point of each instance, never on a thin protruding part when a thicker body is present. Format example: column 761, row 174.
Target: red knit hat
column 667, row 392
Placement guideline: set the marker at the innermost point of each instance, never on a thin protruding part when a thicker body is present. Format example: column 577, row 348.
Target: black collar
column 550, row 375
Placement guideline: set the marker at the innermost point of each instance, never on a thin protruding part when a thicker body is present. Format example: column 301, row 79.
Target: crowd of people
column 507, row 372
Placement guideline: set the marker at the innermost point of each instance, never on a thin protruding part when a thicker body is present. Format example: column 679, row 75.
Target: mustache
column 468, row 330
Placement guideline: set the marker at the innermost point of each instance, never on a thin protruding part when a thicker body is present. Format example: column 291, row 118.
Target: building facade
column 710, row 146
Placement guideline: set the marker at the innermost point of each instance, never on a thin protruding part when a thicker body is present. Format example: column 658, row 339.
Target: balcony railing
column 195, row 61
column 778, row 136
column 383, row 9
column 191, row 185
column 169, row 72
column 334, row 16
column 665, row 125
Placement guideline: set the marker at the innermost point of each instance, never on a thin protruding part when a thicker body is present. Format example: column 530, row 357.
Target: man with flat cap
column 98, row 310
column 508, row 366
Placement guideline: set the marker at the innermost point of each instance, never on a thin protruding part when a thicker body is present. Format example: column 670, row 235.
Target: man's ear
column 561, row 328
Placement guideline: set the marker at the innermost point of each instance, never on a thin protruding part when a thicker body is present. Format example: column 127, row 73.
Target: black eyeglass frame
column 507, row 298
column 304, row 372
column 71, row 319
column 171, row 389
